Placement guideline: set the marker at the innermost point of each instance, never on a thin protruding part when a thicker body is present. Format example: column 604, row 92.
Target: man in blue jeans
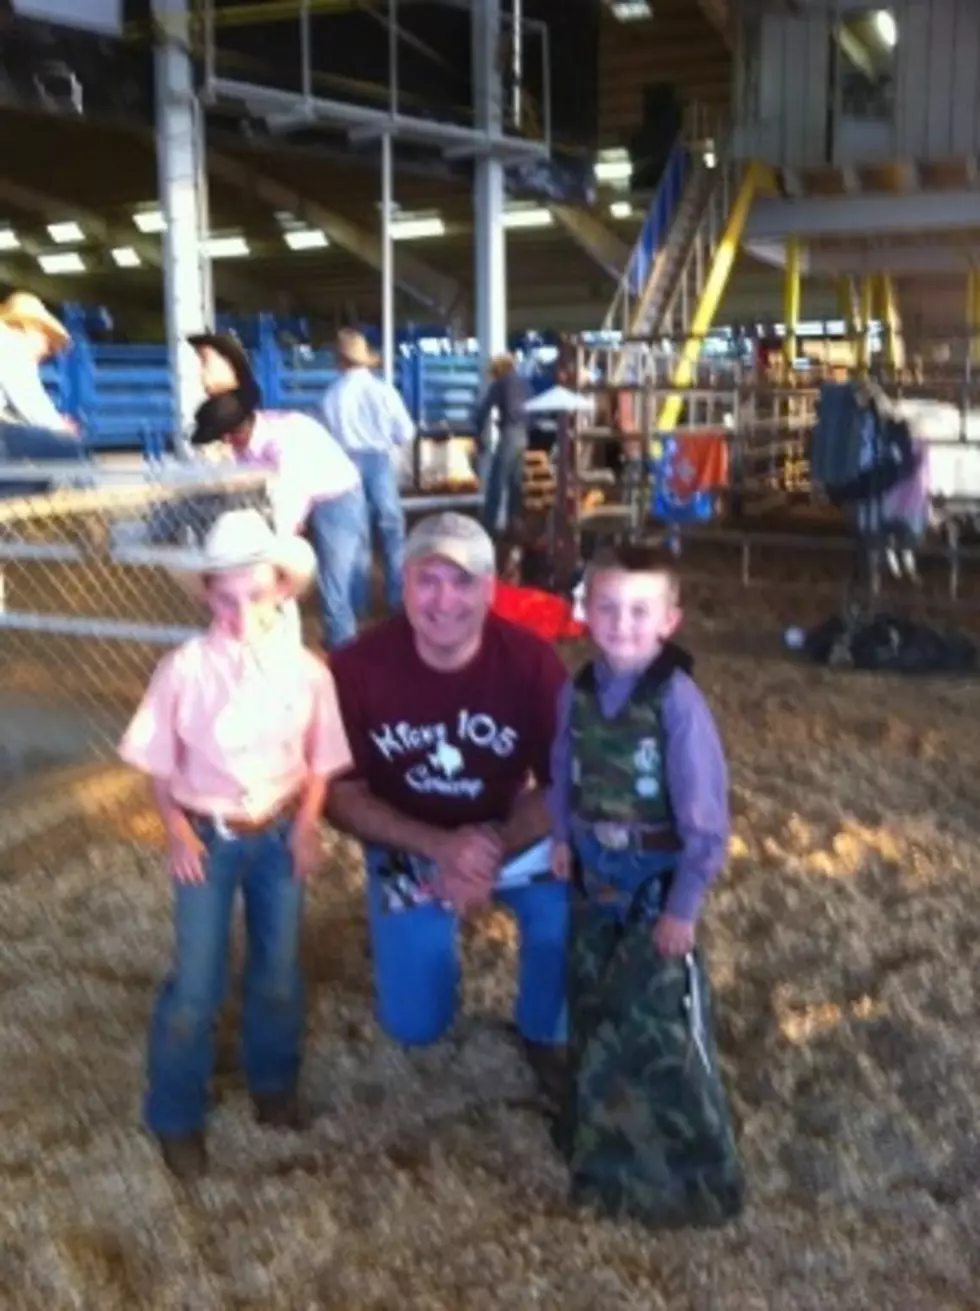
column 450, row 713
column 508, row 394
column 368, row 418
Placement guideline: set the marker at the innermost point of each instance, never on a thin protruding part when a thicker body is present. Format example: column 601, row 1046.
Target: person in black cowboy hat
column 317, row 491
column 225, row 366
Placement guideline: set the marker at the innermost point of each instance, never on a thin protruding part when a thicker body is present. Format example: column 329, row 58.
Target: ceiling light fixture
column 535, row 217
column 150, row 221
column 416, row 229
column 306, row 239
column 226, row 247
column 61, row 263
column 65, row 233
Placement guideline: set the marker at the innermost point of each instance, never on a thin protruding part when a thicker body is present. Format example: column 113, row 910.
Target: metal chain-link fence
column 87, row 609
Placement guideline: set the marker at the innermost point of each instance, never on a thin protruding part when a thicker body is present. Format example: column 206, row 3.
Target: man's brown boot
column 184, row 1155
column 278, row 1110
column 549, row 1064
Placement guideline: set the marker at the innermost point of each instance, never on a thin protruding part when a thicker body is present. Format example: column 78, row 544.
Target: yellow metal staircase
column 698, row 268
column 676, row 277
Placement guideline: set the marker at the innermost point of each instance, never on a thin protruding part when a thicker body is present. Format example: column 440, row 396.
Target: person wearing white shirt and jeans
column 31, row 427
column 369, row 419
column 317, row 491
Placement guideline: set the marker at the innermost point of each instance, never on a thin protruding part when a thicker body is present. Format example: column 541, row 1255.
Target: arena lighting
column 150, row 220
column 528, row 218
column 886, row 27
column 126, row 257
column 226, row 247
column 62, row 263
column 621, row 209
column 65, row 233
column 306, row 239
column 615, row 167
column 9, row 239
column 415, row 229
column 630, row 11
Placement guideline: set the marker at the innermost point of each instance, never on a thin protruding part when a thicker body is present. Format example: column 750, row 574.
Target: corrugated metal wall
column 677, row 46
column 919, row 101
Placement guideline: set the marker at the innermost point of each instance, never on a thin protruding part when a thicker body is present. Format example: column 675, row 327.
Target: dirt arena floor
column 844, row 950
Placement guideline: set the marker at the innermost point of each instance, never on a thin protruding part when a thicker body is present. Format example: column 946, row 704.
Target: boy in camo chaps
column 640, row 811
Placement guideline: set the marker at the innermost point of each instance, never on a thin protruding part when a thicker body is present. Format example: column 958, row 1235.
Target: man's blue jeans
column 503, row 497
column 380, row 478
column 340, row 537
column 181, row 1055
column 22, row 442
column 416, row 962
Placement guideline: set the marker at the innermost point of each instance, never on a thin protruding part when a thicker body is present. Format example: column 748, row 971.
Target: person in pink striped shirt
column 317, row 491
column 240, row 732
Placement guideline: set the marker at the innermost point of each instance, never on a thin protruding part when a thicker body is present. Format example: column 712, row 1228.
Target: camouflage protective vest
column 618, row 770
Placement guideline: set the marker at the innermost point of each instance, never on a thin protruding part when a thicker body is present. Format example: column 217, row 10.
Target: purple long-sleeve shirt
column 696, row 778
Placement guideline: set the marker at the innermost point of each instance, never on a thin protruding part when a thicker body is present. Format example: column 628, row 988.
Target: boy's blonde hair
column 635, row 558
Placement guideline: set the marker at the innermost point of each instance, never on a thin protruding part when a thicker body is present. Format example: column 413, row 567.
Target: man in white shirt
column 317, row 491
column 369, row 419
column 30, row 426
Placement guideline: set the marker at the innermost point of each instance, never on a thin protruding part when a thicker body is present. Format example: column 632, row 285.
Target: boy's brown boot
column 279, row 1110
column 185, row 1155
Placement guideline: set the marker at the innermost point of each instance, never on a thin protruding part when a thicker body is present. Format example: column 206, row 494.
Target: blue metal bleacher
column 120, row 394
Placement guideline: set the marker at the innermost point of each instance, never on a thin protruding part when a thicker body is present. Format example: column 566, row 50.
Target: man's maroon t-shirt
column 449, row 748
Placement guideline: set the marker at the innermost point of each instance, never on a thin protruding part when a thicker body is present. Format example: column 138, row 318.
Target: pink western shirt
column 237, row 729
column 310, row 463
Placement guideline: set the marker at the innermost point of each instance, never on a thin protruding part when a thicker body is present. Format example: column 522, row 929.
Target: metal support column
column 973, row 314
column 387, row 260
column 188, row 291
column 791, row 298
column 866, row 297
column 847, row 304
column 892, row 320
column 488, row 188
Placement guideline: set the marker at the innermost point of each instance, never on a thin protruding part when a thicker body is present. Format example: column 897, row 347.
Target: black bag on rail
column 647, row 1130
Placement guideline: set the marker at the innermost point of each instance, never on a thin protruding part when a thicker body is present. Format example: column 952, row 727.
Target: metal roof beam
column 901, row 258
column 20, row 279
column 435, row 290
column 940, row 211
column 719, row 15
column 237, row 288
column 601, row 245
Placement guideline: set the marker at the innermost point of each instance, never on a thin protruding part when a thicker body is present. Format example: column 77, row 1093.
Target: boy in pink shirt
column 240, row 732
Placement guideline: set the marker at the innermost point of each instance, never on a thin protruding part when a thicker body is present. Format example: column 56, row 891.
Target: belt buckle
column 614, row 837
column 221, row 828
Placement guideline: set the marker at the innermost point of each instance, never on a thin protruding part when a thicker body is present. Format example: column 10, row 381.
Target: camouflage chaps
column 647, row 1130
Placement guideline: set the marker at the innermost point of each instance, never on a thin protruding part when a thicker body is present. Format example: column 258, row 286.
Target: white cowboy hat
column 23, row 310
column 238, row 539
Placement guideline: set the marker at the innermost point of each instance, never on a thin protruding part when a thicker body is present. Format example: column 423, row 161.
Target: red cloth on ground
column 545, row 614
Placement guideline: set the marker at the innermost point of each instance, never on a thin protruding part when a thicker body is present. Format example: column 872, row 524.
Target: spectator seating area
column 120, row 394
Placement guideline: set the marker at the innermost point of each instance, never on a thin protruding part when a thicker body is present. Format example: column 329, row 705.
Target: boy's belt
column 242, row 827
column 627, row 837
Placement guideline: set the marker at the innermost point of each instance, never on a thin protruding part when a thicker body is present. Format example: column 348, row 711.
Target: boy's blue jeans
column 181, row 1053
column 612, row 878
column 416, row 962
column 386, row 512
column 340, row 536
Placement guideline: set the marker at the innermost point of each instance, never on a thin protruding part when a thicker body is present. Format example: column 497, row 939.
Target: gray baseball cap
column 453, row 537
